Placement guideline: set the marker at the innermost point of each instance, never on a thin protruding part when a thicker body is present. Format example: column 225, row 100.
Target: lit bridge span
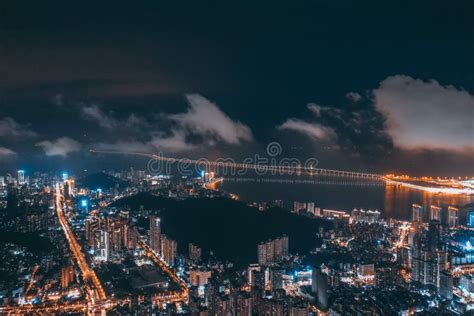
column 280, row 169
column 288, row 167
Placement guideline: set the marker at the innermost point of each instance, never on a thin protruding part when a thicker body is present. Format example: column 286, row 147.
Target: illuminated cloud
column 60, row 147
column 5, row 152
column 10, row 128
column 425, row 114
column 313, row 130
column 203, row 124
column 94, row 113
column 205, row 119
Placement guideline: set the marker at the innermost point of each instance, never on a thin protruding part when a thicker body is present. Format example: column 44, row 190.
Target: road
column 32, row 279
column 95, row 290
column 404, row 230
column 96, row 299
column 170, row 296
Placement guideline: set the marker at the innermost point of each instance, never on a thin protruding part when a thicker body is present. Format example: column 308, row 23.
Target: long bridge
column 288, row 167
column 283, row 168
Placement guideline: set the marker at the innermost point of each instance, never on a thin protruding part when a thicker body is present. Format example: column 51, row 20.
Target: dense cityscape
column 69, row 246
column 216, row 158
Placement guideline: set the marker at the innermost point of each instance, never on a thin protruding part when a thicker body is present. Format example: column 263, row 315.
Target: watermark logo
column 274, row 149
column 272, row 163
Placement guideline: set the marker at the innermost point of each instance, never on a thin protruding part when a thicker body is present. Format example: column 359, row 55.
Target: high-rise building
column 417, row 212
column 453, row 216
column 416, row 260
column 198, row 277
column 278, row 248
column 319, row 286
column 69, row 187
column 169, row 249
column 298, row 206
column 310, row 207
column 195, row 252
column 276, row 278
column 365, row 216
column 244, row 304
column 336, row 214
column 262, row 253
column 470, row 218
column 117, row 236
column 284, row 246
column 103, row 244
column 433, row 235
column 250, row 269
column 21, row 177
column 67, row 275
column 278, row 203
column 90, row 227
column 445, row 288
column 270, row 245
column 272, row 250
column 132, row 237
column 83, row 205
column 258, row 279
column 404, row 258
column 435, row 213
column 317, row 211
column 155, row 234
column 428, row 264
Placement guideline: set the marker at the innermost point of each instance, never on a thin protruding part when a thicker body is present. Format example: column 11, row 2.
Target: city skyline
column 311, row 158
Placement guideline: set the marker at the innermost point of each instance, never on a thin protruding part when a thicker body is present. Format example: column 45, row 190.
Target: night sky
column 380, row 86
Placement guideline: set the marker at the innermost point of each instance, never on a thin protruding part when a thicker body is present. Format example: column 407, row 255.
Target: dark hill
column 100, row 180
column 230, row 228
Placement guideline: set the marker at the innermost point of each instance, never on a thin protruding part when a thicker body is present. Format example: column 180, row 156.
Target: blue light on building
column 65, row 176
column 21, row 176
column 470, row 218
column 83, row 205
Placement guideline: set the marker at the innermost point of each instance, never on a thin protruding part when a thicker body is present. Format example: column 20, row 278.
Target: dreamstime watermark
column 273, row 163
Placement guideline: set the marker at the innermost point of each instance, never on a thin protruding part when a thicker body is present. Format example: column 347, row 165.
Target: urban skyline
column 310, row 158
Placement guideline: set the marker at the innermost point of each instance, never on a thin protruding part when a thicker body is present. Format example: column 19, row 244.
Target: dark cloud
column 353, row 96
column 358, row 129
column 108, row 121
column 10, row 128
